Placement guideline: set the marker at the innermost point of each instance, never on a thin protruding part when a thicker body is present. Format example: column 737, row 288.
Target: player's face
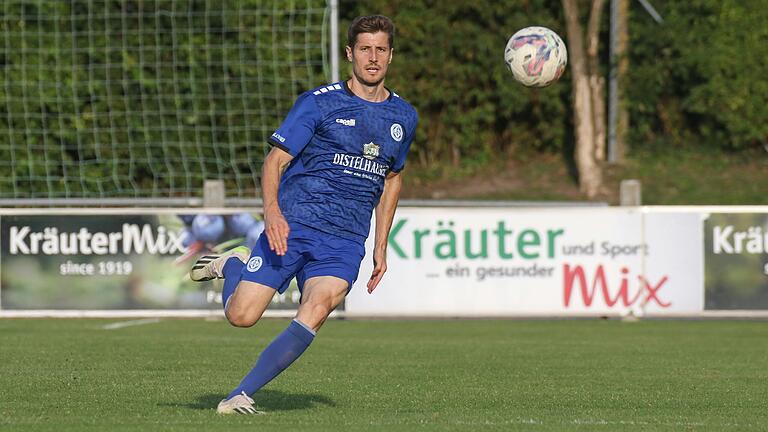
column 370, row 57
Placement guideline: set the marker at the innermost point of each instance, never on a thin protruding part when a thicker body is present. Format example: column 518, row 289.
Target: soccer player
column 336, row 158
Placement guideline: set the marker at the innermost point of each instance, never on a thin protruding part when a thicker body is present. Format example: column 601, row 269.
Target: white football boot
column 238, row 404
column 211, row 266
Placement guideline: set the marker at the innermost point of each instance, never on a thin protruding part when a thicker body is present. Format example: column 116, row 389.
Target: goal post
column 148, row 99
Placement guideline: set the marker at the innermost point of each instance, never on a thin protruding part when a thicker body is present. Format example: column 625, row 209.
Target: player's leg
column 259, row 278
column 328, row 277
column 324, row 281
column 322, row 294
column 247, row 303
column 244, row 301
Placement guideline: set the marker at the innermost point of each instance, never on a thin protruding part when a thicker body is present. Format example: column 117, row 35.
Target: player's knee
column 242, row 318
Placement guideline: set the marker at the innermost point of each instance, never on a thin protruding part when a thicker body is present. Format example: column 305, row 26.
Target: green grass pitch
column 387, row 375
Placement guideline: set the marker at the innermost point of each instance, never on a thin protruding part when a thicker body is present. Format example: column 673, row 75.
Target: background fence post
column 630, row 193
column 213, row 193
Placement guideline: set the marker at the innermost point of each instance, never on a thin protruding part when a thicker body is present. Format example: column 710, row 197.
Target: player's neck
column 377, row 93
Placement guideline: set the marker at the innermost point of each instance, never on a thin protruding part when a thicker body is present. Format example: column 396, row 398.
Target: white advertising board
column 548, row 261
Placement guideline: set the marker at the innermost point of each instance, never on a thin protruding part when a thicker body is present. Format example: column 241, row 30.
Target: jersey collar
column 351, row 93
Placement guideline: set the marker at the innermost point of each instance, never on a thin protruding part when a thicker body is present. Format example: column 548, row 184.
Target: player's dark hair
column 371, row 24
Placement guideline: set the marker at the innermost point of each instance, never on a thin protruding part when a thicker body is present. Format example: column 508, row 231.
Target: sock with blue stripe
column 283, row 351
column 232, row 270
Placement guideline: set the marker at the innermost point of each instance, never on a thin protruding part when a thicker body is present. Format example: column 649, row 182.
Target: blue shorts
column 310, row 253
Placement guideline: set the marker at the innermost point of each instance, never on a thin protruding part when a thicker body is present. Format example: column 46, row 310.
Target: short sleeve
column 406, row 146
column 298, row 127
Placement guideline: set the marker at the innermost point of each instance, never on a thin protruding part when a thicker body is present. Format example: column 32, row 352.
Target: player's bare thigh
column 320, row 296
column 248, row 303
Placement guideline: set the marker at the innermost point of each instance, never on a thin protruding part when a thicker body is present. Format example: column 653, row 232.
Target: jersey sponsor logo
column 370, row 151
column 346, row 122
column 360, row 163
column 254, row 264
column 396, row 131
column 278, row 137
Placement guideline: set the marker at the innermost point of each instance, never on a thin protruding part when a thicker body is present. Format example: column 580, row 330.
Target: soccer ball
column 536, row 56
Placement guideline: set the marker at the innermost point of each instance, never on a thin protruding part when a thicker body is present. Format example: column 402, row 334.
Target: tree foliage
column 696, row 79
column 449, row 63
column 147, row 98
column 699, row 78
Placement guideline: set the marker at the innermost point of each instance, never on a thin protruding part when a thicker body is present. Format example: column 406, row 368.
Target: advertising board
column 443, row 261
column 502, row 262
column 118, row 260
column 736, row 261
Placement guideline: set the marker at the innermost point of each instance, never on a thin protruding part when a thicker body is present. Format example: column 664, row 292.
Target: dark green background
column 698, row 78
column 696, row 81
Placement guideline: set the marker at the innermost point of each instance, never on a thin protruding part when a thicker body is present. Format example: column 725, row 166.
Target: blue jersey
column 343, row 148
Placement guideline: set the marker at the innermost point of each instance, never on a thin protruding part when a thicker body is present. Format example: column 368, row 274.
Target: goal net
column 149, row 98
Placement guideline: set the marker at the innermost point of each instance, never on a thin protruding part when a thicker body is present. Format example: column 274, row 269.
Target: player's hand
column 379, row 268
column 276, row 228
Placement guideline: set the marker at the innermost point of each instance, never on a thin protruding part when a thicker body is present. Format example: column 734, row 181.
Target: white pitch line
column 595, row 422
column 592, row 422
column 123, row 324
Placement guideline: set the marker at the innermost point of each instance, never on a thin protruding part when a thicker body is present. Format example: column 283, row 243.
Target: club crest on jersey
column 396, row 131
column 370, row 151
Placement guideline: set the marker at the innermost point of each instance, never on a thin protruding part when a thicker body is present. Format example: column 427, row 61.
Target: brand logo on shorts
column 254, row 264
column 396, row 131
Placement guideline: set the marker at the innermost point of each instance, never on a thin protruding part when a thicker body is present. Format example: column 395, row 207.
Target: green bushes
column 103, row 98
column 449, row 64
column 697, row 79
column 700, row 77
column 148, row 121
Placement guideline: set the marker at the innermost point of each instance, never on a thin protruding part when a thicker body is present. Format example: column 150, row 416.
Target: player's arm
column 385, row 213
column 288, row 141
column 275, row 225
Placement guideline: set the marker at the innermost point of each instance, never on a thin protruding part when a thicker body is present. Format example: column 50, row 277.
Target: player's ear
column 349, row 52
column 391, row 53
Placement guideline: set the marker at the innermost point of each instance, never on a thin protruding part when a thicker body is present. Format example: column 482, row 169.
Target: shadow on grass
column 267, row 400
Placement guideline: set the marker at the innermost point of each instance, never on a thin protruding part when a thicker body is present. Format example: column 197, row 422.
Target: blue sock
column 286, row 348
column 232, row 270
